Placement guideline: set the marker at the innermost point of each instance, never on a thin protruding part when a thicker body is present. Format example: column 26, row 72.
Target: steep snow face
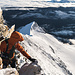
column 54, row 57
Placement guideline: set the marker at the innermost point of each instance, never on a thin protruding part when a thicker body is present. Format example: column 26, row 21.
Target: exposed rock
column 1, row 17
column 30, row 69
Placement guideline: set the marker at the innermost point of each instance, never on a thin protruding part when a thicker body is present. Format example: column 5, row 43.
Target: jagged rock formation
column 1, row 17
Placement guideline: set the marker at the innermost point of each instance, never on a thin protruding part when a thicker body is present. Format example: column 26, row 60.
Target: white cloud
column 31, row 14
column 61, row 14
column 64, row 15
column 58, row 0
column 33, row 3
column 63, row 32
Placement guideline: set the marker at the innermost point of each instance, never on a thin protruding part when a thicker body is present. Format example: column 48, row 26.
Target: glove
column 32, row 59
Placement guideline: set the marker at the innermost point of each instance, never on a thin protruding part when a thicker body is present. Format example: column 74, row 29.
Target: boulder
column 30, row 69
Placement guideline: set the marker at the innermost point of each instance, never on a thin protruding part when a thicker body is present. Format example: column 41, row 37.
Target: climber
column 8, row 47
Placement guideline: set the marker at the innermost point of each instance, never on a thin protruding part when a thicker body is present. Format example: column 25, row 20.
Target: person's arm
column 20, row 48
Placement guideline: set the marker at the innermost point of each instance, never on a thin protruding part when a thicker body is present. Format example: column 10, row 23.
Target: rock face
column 9, row 71
column 5, row 31
column 30, row 69
column 1, row 17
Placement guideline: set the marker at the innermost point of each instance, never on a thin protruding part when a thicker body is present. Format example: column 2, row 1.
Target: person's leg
column 13, row 63
column 5, row 64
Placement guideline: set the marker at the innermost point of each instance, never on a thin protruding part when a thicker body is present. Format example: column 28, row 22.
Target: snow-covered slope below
column 54, row 57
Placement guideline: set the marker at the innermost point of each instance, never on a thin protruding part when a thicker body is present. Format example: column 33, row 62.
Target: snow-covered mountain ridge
column 54, row 57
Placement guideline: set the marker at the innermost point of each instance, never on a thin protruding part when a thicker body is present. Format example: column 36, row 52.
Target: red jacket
column 13, row 40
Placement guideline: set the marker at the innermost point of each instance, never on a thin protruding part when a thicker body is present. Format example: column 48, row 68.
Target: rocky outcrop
column 30, row 69
column 1, row 17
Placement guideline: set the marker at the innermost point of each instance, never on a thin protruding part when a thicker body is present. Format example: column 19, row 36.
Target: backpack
column 6, row 55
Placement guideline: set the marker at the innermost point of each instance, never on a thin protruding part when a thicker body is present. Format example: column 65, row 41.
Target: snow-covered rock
column 72, row 41
column 9, row 71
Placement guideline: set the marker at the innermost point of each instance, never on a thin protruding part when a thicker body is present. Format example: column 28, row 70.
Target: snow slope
column 54, row 57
